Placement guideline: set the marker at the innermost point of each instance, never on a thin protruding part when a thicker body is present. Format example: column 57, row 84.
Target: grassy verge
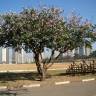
column 56, row 72
column 63, row 73
column 18, row 79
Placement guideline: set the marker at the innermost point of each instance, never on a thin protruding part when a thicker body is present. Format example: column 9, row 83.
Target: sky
column 86, row 8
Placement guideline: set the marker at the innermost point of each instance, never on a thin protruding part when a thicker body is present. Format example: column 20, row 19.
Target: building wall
column 9, row 56
column 83, row 51
column 88, row 51
column 3, row 55
column 76, row 50
column 0, row 55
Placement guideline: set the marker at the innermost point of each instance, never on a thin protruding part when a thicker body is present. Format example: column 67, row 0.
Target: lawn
column 17, row 80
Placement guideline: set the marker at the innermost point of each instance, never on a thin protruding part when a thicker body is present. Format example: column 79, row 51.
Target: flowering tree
column 11, row 34
column 33, row 30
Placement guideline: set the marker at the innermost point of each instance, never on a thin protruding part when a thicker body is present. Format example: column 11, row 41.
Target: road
column 73, row 89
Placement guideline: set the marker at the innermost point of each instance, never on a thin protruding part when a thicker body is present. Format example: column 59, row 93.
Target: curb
column 60, row 83
column 24, row 86
column 90, row 79
column 31, row 85
column 3, row 87
column 55, row 83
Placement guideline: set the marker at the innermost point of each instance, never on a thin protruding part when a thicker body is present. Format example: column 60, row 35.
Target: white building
column 81, row 51
column 9, row 56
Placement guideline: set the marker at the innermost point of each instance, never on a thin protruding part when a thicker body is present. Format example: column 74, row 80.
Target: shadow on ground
column 83, row 74
column 7, row 93
column 18, row 76
column 33, row 76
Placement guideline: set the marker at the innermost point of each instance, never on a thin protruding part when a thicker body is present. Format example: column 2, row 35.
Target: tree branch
column 50, row 64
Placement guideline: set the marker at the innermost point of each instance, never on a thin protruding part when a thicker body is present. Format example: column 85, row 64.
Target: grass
column 56, row 72
column 7, row 93
column 16, row 80
column 88, row 76
column 60, row 75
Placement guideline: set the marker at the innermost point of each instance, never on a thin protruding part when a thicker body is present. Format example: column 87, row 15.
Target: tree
column 11, row 32
column 33, row 30
column 43, row 28
column 46, row 28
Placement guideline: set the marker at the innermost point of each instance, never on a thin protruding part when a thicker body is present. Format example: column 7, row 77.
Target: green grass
column 16, row 79
column 56, row 72
column 88, row 76
column 63, row 73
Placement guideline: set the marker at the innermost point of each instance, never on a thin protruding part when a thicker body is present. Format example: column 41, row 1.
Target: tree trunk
column 40, row 67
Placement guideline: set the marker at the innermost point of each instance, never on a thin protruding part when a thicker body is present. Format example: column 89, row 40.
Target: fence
column 82, row 68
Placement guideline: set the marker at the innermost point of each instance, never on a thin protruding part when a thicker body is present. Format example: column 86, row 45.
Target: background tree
column 11, row 32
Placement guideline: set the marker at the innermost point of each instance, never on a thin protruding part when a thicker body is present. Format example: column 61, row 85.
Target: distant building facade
column 9, row 56
column 83, row 51
column 80, row 51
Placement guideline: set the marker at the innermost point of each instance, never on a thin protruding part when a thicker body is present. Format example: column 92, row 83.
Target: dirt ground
column 7, row 67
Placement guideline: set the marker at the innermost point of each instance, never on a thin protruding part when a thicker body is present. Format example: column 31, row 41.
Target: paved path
column 72, row 89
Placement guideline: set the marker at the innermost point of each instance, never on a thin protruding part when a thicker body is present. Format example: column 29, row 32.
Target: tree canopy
column 11, row 31
column 35, row 29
